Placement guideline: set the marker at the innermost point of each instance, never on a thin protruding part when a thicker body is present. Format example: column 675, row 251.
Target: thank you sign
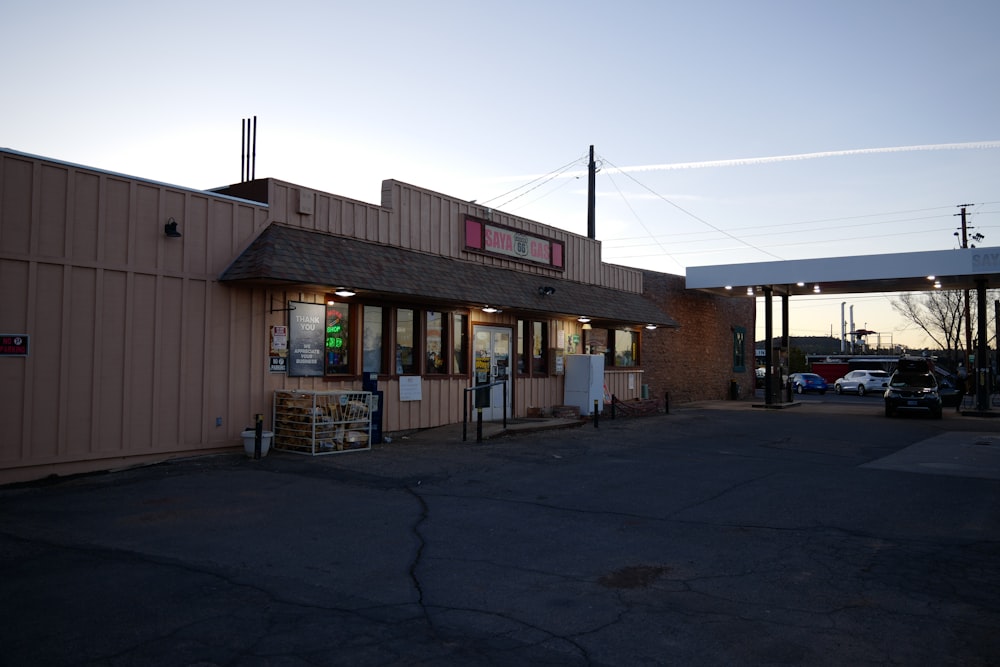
column 306, row 336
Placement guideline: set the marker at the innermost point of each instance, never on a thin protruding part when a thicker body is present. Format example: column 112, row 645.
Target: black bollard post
column 613, row 400
column 595, row 413
column 258, row 438
column 479, row 424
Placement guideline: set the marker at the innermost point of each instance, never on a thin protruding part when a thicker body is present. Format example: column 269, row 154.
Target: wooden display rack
column 322, row 422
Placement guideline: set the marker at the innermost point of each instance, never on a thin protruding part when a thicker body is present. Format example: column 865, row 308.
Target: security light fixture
column 170, row 229
column 546, row 290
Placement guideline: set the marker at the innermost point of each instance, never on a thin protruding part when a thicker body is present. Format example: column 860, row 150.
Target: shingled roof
column 291, row 255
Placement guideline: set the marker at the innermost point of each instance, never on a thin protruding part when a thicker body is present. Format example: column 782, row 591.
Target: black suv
column 913, row 387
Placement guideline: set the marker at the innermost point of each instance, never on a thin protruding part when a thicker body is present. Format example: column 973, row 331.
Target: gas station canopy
column 900, row 272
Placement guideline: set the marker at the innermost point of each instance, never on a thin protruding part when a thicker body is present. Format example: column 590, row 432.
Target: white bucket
column 250, row 439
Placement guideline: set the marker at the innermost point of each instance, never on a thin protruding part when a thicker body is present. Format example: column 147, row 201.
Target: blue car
column 802, row 382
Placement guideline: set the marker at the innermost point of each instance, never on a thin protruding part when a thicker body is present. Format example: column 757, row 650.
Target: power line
column 544, row 179
column 690, row 214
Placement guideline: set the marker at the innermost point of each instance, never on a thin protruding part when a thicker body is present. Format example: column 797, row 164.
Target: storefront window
column 539, row 348
column 739, row 349
column 460, row 343
column 372, row 352
column 337, row 348
column 522, row 334
column 434, row 343
column 624, row 350
column 406, row 361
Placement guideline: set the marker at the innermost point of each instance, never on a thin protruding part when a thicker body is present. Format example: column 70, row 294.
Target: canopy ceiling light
column 491, row 309
column 583, row 319
column 344, row 292
column 650, row 327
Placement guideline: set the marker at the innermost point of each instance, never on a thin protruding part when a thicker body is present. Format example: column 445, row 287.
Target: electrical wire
column 641, row 223
column 545, row 178
column 690, row 214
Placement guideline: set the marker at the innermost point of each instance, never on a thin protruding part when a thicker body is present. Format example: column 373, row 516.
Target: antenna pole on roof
column 243, row 150
column 253, row 173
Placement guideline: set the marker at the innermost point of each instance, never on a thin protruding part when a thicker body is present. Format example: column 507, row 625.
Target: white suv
column 862, row 382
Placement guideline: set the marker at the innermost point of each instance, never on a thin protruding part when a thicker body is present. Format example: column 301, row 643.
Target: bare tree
column 939, row 314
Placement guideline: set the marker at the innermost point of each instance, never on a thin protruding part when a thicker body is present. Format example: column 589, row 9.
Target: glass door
column 491, row 355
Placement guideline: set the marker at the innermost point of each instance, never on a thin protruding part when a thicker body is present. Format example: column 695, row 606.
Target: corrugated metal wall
column 133, row 352
column 137, row 352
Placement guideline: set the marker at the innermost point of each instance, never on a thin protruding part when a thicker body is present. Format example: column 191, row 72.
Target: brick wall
column 695, row 362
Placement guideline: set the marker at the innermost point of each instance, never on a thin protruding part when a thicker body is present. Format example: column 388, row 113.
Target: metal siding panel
column 171, row 253
column 15, row 213
column 195, row 240
column 170, row 316
column 46, row 360
column 221, row 235
column 116, row 214
column 80, row 337
column 147, row 228
column 111, row 362
column 84, row 214
column 52, row 212
column 142, row 379
column 14, row 372
column 195, row 336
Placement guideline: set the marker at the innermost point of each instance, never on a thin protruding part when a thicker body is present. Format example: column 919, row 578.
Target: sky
column 725, row 131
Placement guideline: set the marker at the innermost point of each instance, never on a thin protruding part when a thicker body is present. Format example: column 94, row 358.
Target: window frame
column 611, row 350
column 527, row 366
column 351, row 313
column 739, row 347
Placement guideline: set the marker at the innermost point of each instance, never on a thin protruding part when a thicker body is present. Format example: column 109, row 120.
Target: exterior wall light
column 170, row 229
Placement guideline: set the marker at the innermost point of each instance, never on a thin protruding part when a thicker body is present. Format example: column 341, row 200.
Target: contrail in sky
column 739, row 162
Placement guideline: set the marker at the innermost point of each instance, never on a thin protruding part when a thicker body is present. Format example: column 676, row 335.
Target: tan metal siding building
column 145, row 346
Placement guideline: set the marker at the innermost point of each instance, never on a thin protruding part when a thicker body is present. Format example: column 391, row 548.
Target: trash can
column 250, row 442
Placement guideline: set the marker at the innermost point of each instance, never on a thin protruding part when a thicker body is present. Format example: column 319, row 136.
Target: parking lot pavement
column 712, row 535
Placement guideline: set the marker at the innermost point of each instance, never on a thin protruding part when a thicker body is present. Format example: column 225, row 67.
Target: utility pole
column 968, row 315
column 591, row 196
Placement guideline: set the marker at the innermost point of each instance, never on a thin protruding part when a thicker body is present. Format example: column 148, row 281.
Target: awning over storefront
column 287, row 255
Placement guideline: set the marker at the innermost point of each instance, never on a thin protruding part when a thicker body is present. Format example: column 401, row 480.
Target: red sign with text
column 13, row 345
column 486, row 237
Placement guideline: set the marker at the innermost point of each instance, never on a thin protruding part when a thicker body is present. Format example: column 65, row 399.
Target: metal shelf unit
column 322, row 422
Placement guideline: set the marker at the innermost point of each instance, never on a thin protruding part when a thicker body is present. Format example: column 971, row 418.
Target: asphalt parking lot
column 718, row 534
